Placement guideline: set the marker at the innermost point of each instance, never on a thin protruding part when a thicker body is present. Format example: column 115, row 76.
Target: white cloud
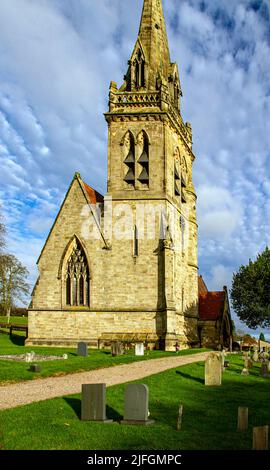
column 56, row 62
column 219, row 213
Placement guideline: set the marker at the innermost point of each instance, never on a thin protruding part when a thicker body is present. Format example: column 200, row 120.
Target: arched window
column 177, row 185
column 139, row 70
column 77, row 277
column 128, row 144
column 143, row 160
column 184, row 174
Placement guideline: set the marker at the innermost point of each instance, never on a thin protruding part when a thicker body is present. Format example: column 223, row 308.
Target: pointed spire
column 151, row 48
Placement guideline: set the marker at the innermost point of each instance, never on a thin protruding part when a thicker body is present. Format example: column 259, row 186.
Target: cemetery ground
column 12, row 371
column 209, row 415
column 14, row 319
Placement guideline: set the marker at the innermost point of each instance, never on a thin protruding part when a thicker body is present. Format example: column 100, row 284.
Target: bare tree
column 13, row 282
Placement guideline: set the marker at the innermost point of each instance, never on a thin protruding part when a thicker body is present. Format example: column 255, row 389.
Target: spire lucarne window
column 77, row 278
column 139, row 70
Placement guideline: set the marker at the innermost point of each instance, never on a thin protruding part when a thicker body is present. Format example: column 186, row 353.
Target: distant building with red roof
column 215, row 323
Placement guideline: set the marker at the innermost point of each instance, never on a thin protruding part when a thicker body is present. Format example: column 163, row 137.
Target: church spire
column 151, row 79
column 150, row 61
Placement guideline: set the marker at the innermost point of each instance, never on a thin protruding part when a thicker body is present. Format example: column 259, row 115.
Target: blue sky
column 57, row 59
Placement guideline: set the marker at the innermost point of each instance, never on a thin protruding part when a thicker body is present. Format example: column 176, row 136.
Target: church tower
column 124, row 266
column 150, row 162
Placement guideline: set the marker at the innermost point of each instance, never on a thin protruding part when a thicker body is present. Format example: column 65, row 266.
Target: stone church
column 124, row 265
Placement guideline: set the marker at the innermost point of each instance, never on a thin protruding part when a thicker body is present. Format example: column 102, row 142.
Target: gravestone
column 213, row 369
column 29, row 357
column 245, row 370
column 35, row 368
column 117, row 348
column 242, row 424
column 139, row 349
column 65, row 356
column 264, row 369
column 226, row 364
column 249, row 363
column 136, row 405
column 255, row 355
column 260, row 438
column 82, row 349
column 93, row 405
column 264, row 356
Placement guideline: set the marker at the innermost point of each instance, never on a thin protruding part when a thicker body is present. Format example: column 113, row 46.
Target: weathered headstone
column 29, row 357
column 264, row 356
column 260, row 438
column 226, row 364
column 136, row 405
column 139, row 349
column 249, row 363
column 242, row 424
column 82, row 349
column 35, row 368
column 213, row 369
column 93, row 407
column 117, row 348
column 264, row 369
column 246, row 362
column 255, row 355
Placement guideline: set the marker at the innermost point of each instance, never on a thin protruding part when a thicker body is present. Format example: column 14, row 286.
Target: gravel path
column 42, row 389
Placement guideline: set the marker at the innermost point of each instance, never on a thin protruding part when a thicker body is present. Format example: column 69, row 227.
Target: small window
column 135, row 242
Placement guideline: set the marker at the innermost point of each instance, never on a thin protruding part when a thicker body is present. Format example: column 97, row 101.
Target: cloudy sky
column 56, row 61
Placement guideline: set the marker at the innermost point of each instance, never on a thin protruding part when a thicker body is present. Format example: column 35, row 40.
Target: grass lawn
column 16, row 320
column 209, row 417
column 18, row 371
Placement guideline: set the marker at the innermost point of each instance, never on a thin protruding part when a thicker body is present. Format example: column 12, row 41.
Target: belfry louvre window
column 77, row 278
column 129, row 161
column 143, row 150
column 177, row 190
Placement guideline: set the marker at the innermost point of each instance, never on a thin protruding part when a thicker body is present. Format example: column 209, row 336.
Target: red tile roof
column 211, row 305
column 94, row 196
column 202, row 286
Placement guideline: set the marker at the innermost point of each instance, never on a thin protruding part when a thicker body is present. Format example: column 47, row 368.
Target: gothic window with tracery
column 77, row 278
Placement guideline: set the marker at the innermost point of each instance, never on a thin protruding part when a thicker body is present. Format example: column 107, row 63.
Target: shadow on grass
column 18, row 340
column 190, row 377
column 75, row 404
column 107, row 353
column 113, row 414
